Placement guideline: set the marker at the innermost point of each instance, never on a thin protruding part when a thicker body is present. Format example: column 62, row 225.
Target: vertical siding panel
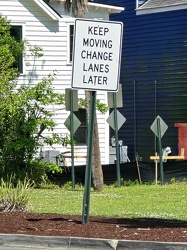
column 154, row 49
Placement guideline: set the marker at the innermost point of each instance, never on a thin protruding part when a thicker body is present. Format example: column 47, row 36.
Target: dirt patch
column 97, row 227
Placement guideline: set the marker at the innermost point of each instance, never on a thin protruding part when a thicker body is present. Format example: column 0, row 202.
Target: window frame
column 21, row 59
column 83, row 125
column 70, row 42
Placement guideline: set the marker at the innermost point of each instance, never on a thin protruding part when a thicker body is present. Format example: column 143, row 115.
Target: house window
column 17, row 32
column 81, row 132
column 70, row 43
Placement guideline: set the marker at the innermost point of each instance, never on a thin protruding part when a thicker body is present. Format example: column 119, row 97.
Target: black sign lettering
column 98, row 43
column 97, row 31
column 93, row 67
column 95, row 80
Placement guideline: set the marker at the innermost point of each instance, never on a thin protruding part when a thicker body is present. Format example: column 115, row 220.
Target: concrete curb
column 49, row 242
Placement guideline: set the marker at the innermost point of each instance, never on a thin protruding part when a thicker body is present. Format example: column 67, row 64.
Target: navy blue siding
column 153, row 76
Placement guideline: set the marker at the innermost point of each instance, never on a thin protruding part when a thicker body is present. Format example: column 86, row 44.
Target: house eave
column 108, row 8
column 55, row 17
column 144, row 11
column 44, row 7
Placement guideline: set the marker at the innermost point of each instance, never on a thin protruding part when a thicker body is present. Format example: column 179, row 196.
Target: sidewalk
column 25, row 242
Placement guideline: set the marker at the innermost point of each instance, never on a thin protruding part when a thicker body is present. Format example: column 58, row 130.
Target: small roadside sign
column 120, row 120
column 97, row 55
column 76, row 123
column 163, row 127
column 159, row 128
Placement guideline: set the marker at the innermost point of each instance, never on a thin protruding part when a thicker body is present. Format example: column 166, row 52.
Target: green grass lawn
column 148, row 201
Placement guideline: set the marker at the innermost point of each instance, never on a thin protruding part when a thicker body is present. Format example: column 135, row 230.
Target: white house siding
column 51, row 36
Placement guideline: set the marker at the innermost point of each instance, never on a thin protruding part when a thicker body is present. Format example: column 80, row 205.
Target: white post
column 136, row 4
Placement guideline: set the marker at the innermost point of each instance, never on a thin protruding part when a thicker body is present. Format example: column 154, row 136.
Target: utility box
column 123, row 154
column 51, row 156
column 182, row 138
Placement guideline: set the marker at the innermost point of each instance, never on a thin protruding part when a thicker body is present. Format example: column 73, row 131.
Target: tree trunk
column 78, row 10
column 97, row 172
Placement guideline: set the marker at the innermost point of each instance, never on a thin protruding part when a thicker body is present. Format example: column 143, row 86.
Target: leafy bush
column 68, row 186
column 127, row 183
column 26, row 122
column 24, row 113
column 14, row 197
column 38, row 172
column 174, row 180
column 184, row 180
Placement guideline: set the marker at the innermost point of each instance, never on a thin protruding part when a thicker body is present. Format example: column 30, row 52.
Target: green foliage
column 26, row 122
column 67, row 140
column 127, row 183
column 174, row 180
column 14, row 197
column 68, row 185
column 184, row 180
column 23, row 120
column 10, row 49
column 38, row 171
column 48, row 185
column 24, row 116
column 101, row 107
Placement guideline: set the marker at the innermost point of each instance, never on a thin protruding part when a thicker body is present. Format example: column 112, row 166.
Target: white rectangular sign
column 97, row 55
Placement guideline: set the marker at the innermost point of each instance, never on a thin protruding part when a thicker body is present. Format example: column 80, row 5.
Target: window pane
column 16, row 31
column 80, row 134
column 71, row 27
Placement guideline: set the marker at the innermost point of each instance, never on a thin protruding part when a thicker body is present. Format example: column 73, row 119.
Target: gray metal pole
column 116, row 138
column 72, row 140
column 88, row 171
column 135, row 131
column 160, row 151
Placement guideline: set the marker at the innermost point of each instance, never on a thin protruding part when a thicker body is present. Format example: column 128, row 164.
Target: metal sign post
column 72, row 140
column 160, row 151
column 117, row 146
column 86, row 199
column 95, row 66
column 116, row 120
column 159, row 128
column 72, row 123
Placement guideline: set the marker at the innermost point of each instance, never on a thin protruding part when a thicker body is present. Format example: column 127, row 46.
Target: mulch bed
column 97, row 227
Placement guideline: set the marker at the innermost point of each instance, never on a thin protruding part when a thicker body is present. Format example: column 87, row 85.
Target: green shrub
column 174, row 180
column 14, row 197
column 24, row 113
column 184, row 180
column 68, row 186
column 39, row 170
column 127, row 183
